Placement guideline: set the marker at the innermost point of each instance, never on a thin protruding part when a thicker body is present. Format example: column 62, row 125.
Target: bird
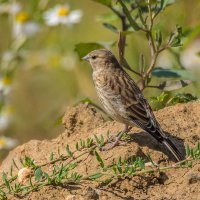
column 122, row 99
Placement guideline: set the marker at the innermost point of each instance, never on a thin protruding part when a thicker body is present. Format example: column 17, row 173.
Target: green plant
column 138, row 17
column 64, row 172
column 167, row 99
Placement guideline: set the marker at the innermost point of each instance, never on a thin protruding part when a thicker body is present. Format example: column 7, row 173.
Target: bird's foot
column 113, row 141
column 112, row 138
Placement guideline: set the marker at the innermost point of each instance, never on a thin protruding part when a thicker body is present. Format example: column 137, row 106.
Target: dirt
column 181, row 121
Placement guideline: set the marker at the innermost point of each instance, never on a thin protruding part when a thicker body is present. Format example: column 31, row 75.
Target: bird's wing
column 131, row 102
column 139, row 110
column 126, row 95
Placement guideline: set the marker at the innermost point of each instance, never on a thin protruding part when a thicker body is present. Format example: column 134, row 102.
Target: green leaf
column 15, row 164
column 48, row 178
column 89, row 142
column 159, row 72
column 119, row 165
column 165, row 3
column 102, row 140
column 127, row 168
column 129, row 17
column 46, row 175
column 95, row 176
column 187, row 150
column 82, row 143
column 97, row 139
column 159, row 38
column 3, row 195
column 181, row 98
column 198, row 146
column 60, row 174
column 107, row 181
column 38, row 174
column 68, row 151
column 31, row 183
column 189, row 164
column 104, row 2
column 108, row 17
column 111, row 27
column 76, row 177
column 114, row 170
column 72, row 166
column 82, row 49
column 28, row 162
column 159, row 101
column 5, row 180
column 197, row 151
column 160, row 98
column 175, row 37
column 151, row 160
column 11, row 171
column 194, row 153
column 85, row 100
column 51, row 157
column 77, row 147
column 173, row 85
column 139, row 163
column 173, row 73
column 176, row 42
column 99, row 159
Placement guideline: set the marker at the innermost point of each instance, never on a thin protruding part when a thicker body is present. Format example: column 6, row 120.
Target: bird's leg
column 117, row 138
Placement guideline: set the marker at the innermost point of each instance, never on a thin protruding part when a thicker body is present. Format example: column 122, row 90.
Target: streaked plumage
column 122, row 99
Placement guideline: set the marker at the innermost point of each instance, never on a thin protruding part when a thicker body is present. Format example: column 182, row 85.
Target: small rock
column 90, row 193
column 23, row 175
column 193, row 178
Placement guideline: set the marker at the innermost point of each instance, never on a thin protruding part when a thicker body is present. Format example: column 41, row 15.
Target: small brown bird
column 123, row 100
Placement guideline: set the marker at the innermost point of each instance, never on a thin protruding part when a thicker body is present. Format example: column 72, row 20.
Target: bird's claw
column 112, row 139
column 115, row 141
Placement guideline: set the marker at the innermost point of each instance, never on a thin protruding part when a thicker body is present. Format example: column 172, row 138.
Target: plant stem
column 152, row 46
column 122, row 41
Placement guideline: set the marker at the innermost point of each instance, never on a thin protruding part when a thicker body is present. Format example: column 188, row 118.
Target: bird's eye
column 94, row 57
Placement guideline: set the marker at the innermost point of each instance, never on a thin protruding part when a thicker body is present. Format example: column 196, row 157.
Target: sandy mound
column 181, row 121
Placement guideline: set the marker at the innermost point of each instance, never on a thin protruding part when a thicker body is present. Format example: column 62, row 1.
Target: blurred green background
column 47, row 75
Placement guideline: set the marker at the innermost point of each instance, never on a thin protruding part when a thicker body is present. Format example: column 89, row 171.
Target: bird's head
column 101, row 59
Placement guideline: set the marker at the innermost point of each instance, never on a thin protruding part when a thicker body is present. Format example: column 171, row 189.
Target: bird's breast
column 111, row 101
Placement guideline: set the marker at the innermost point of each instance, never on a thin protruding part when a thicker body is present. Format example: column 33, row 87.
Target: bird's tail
column 173, row 149
column 159, row 135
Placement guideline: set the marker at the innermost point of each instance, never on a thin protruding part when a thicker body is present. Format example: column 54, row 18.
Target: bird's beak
column 86, row 58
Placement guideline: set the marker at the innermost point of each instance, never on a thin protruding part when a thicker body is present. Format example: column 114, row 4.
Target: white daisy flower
column 4, row 121
column 10, row 8
column 5, row 86
column 14, row 8
column 5, row 117
column 190, row 57
column 61, row 14
column 8, row 56
column 24, row 27
column 7, row 143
